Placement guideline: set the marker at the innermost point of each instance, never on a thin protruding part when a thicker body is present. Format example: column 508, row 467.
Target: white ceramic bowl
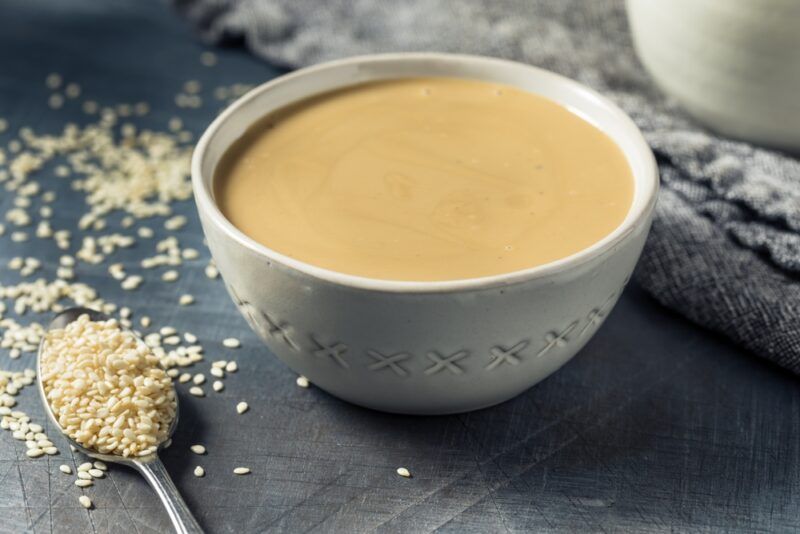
column 424, row 347
column 734, row 65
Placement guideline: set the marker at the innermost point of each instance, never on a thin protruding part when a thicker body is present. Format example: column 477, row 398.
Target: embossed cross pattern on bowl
column 396, row 362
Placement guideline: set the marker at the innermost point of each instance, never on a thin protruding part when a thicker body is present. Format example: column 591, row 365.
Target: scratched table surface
column 655, row 426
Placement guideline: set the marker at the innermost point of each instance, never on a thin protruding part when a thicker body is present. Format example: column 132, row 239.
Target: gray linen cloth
column 725, row 245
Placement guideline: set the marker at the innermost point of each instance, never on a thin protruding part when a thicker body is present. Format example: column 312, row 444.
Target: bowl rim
column 639, row 212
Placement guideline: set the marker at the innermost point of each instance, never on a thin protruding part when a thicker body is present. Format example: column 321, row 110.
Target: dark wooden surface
column 655, row 426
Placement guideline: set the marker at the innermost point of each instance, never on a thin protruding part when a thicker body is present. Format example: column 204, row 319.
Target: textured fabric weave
column 725, row 245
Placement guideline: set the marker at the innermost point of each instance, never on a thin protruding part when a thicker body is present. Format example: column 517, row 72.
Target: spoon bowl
column 150, row 466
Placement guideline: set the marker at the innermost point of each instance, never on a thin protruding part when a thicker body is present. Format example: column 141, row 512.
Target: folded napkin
column 725, row 245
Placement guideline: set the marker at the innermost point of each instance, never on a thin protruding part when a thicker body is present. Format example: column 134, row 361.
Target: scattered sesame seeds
column 198, row 449
column 64, row 468
column 85, row 501
column 403, row 472
column 97, row 473
column 231, row 367
column 217, row 372
column 302, row 381
column 242, row 407
column 197, row 391
column 81, row 483
column 198, row 379
column 241, row 471
column 218, row 385
column 186, row 300
column 199, row 472
column 231, row 343
column 170, row 276
column 185, row 377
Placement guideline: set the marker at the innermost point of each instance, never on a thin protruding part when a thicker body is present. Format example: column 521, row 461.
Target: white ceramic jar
column 424, row 347
column 733, row 64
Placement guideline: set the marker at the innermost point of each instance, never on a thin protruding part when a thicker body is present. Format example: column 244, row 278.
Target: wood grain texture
column 655, row 426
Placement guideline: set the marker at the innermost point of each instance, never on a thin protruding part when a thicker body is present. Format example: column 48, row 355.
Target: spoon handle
column 157, row 476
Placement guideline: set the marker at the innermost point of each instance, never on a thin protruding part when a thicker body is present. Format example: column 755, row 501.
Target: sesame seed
column 197, row 391
column 132, row 282
column 403, row 472
column 218, row 386
column 90, row 107
column 242, row 407
column 170, row 276
column 302, row 381
column 53, row 81
column 189, row 337
column 72, row 90
column 199, row 472
column 217, row 372
column 186, row 300
column 175, row 223
column 198, row 379
column 208, row 59
column 141, row 108
column 34, row 452
column 84, row 467
column 198, row 449
column 98, row 464
column 96, row 473
column 211, row 271
column 56, row 101
column 64, row 468
column 81, row 483
column 241, row 471
column 231, row 367
column 192, row 86
column 175, row 124
column 231, row 343
column 185, row 377
column 85, row 501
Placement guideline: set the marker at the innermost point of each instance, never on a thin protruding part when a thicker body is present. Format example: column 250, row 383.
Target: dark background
column 654, row 426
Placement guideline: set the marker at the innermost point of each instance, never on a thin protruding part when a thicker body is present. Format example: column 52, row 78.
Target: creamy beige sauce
column 425, row 179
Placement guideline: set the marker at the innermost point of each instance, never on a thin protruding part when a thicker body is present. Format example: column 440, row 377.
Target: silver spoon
column 149, row 466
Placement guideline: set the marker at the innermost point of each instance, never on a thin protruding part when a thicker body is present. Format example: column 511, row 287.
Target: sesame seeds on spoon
column 106, row 391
